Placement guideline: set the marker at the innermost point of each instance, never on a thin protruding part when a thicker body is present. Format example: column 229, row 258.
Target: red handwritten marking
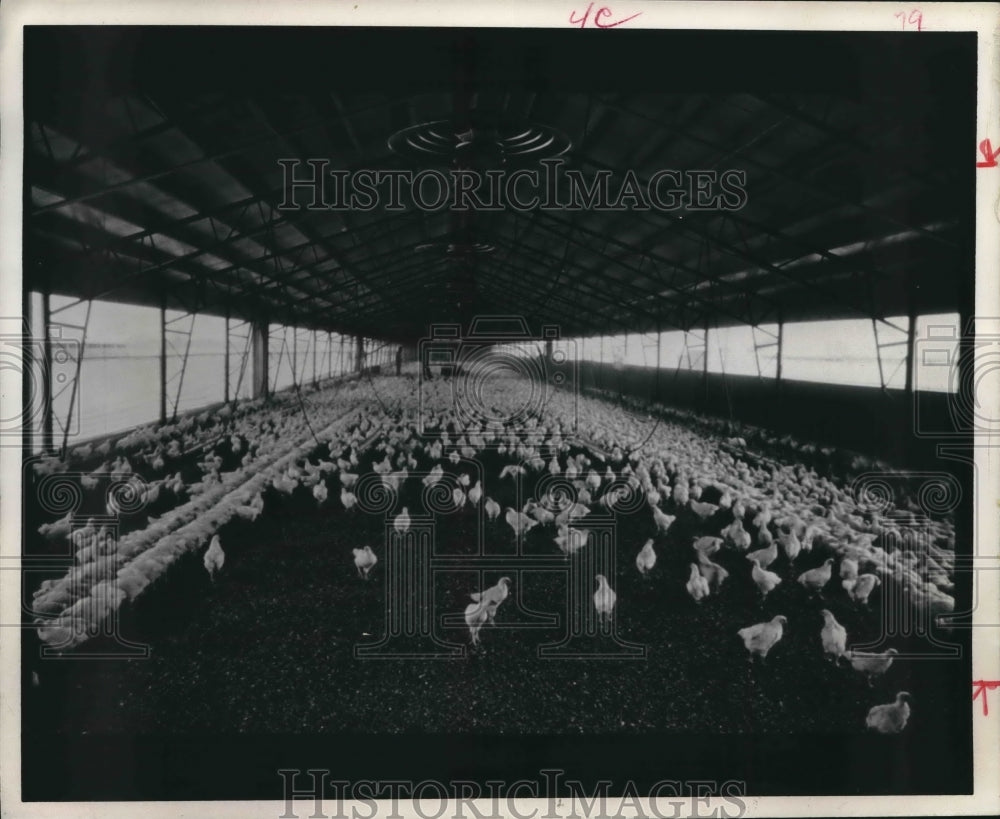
column 981, row 687
column 914, row 18
column 989, row 155
column 602, row 13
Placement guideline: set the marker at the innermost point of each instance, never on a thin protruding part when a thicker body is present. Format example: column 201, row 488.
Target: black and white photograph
column 577, row 408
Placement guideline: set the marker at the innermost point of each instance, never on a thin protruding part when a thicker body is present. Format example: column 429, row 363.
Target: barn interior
column 290, row 377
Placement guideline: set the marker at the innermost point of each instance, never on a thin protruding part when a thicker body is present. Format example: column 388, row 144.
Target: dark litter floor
column 269, row 647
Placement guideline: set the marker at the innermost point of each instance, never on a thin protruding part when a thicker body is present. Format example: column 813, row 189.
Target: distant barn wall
column 864, row 419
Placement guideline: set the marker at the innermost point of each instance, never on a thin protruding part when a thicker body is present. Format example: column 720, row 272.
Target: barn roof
column 152, row 173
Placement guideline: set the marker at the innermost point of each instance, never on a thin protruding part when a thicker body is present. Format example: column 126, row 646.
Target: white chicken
column 712, row 572
column 476, row 615
column 320, row 492
column 604, row 598
column 833, row 636
column 646, row 559
column 519, row 522
column 815, row 579
column 402, row 522
column 892, row 717
column 870, row 664
column 492, row 509
column 214, row 558
column 760, row 638
column 697, row 586
column 663, row 521
column 863, row 587
column 848, row 574
column 492, row 597
column 364, row 560
column 570, row 540
column 766, row 581
column 475, row 494
column 764, row 557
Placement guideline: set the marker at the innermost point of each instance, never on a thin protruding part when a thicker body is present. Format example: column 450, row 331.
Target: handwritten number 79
column 910, row 20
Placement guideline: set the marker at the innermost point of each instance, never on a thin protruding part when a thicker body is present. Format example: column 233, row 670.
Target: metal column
column 781, row 345
column 163, row 363
column 258, row 343
column 47, row 433
column 911, row 334
column 226, row 363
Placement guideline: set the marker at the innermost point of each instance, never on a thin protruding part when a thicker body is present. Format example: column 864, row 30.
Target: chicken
column 815, row 579
column 320, row 493
column 697, row 586
column 712, row 572
column 458, row 497
column 663, row 521
column 402, row 522
column 703, row 510
column 790, row 543
column 284, row 484
column 646, row 559
column 513, row 470
column 214, row 558
column 863, row 587
column 736, row 535
column 475, row 494
column 570, row 540
column 365, row 560
column 766, row 581
column 476, row 615
column 539, row 513
column 432, row 477
column 764, row 557
column 571, row 512
column 707, row 545
column 519, row 522
column 492, row 597
column 348, row 479
column 890, row 718
column 59, row 530
column 833, row 636
column 604, row 598
column 492, row 509
column 848, row 574
column 760, row 638
column 680, row 494
column 348, row 499
column 872, row 665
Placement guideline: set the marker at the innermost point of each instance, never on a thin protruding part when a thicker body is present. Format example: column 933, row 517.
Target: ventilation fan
column 492, row 146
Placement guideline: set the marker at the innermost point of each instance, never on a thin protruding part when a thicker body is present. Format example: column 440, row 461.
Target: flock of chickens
column 604, row 458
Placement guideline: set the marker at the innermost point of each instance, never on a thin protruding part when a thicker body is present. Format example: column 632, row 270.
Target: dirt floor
column 269, row 647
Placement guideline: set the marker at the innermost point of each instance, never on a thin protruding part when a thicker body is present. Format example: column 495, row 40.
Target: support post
column 359, row 354
column 704, row 369
column 781, row 346
column 259, row 359
column 163, row 363
column 911, row 335
column 47, row 434
column 225, row 396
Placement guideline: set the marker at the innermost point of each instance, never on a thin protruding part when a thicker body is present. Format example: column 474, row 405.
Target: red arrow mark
column 981, row 687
